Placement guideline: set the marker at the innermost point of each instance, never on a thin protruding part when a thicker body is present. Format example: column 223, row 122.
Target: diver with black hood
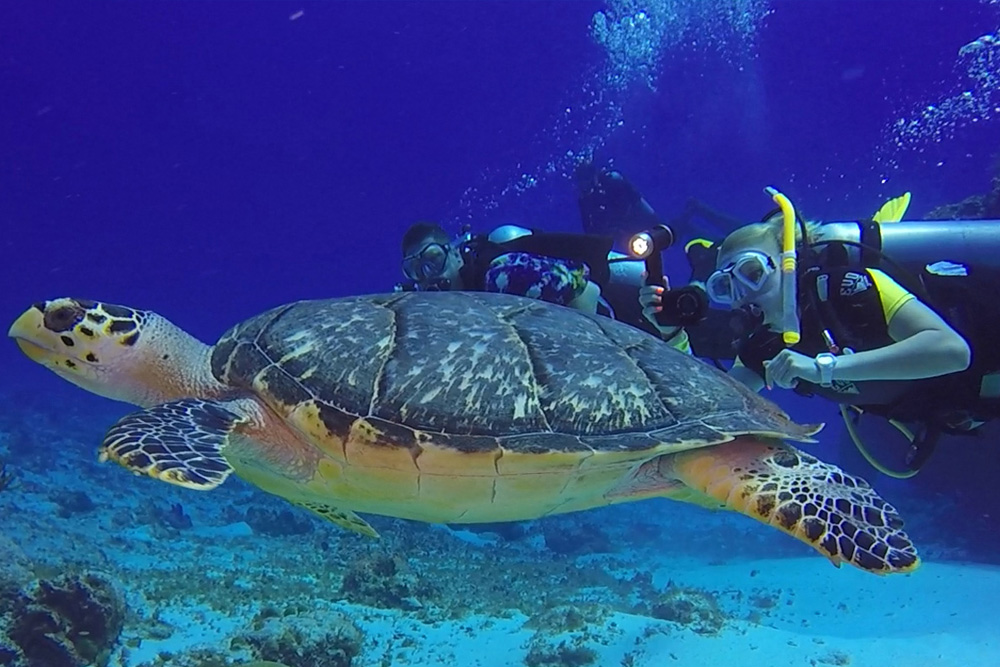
column 580, row 270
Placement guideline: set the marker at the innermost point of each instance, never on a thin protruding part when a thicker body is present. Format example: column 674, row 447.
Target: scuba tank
column 954, row 267
column 622, row 290
column 914, row 244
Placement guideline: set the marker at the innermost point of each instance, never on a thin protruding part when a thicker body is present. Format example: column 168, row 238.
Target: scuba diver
column 713, row 333
column 583, row 270
column 610, row 204
column 514, row 260
column 575, row 270
column 883, row 317
column 580, row 270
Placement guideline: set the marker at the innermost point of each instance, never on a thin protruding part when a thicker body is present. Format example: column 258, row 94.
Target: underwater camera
column 684, row 306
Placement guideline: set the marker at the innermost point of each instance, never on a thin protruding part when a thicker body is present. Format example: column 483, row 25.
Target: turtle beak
column 32, row 351
column 27, row 330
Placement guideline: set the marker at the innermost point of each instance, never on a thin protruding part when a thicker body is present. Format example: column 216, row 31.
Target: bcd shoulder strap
column 848, row 307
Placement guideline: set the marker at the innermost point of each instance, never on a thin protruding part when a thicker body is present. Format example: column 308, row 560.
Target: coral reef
column 6, row 477
column 567, row 618
column 328, row 639
column 562, row 635
column 385, row 581
column 568, row 537
column 290, row 636
column 73, row 502
column 547, row 653
column 691, row 608
column 71, row 620
column 15, row 572
column 209, row 658
column 164, row 521
column 835, row 658
column 278, row 523
column 15, row 566
column 976, row 207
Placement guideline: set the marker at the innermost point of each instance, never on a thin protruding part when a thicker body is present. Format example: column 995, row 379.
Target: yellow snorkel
column 789, row 315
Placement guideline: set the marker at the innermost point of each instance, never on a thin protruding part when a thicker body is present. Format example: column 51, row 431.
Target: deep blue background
column 208, row 160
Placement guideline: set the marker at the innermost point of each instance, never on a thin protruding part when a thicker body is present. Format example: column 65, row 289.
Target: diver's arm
column 678, row 339
column 746, row 376
column 588, row 299
column 926, row 346
column 651, row 300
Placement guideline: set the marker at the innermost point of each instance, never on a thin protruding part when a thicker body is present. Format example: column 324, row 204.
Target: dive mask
column 746, row 273
column 426, row 264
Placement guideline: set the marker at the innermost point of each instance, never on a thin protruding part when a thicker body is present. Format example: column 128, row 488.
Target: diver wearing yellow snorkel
column 834, row 325
column 916, row 342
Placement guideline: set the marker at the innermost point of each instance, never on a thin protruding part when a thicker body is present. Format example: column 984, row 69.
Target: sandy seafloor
column 231, row 575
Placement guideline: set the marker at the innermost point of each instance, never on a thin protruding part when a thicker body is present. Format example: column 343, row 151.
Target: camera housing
column 685, row 306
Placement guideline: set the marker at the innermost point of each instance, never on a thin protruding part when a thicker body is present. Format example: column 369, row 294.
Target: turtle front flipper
column 183, row 443
column 179, row 442
column 837, row 514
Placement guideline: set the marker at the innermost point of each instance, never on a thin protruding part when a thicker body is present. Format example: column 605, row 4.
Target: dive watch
column 825, row 363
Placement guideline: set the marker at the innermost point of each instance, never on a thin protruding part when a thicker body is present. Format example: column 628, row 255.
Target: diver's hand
column 651, row 300
column 788, row 367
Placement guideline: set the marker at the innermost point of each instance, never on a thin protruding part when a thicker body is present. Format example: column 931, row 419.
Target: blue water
column 209, row 160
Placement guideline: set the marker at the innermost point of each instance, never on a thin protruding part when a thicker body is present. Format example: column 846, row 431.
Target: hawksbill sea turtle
column 454, row 407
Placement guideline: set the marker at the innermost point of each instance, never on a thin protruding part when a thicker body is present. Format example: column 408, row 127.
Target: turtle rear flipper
column 336, row 515
column 180, row 442
column 837, row 514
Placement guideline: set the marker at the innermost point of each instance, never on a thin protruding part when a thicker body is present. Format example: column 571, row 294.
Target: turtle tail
column 837, row 514
column 180, row 442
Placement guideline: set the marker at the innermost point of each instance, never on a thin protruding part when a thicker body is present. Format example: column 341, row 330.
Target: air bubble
column 977, row 101
column 635, row 35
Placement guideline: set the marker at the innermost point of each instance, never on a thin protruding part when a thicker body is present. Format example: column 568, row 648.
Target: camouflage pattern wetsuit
column 558, row 281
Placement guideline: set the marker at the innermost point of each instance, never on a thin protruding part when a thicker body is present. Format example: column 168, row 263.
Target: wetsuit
column 856, row 306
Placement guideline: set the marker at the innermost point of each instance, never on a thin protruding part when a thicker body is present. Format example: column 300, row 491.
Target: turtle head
column 114, row 351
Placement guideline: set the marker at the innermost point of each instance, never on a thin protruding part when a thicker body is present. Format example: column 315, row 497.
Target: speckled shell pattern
column 483, row 371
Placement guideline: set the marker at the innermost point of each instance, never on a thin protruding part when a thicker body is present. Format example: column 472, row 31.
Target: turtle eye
column 63, row 318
